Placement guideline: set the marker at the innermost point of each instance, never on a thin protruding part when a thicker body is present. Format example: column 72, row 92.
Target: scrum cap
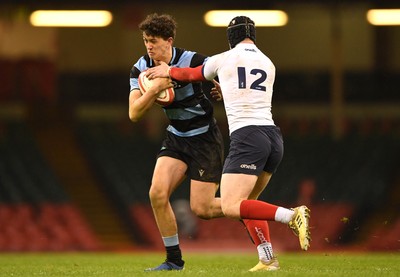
column 239, row 28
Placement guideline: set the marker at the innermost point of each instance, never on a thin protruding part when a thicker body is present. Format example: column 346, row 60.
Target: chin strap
column 187, row 74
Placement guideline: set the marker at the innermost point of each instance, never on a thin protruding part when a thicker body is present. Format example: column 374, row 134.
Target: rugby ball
column 164, row 98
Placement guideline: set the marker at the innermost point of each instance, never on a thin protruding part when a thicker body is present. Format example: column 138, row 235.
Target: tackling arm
column 184, row 74
column 187, row 74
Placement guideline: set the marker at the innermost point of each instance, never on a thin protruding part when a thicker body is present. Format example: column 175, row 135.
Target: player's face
column 158, row 48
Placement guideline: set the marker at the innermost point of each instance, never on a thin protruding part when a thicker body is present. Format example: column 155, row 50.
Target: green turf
column 199, row 264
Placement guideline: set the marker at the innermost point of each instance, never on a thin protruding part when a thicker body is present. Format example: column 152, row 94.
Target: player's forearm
column 187, row 74
column 140, row 104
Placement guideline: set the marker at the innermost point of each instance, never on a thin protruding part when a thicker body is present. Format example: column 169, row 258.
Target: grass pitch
column 197, row 264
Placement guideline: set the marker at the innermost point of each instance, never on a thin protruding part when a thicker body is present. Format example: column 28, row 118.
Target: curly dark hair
column 163, row 26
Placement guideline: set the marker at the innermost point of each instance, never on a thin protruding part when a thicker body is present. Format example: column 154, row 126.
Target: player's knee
column 229, row 211
column 225, row 211
column 158, row 196
column 201, row 212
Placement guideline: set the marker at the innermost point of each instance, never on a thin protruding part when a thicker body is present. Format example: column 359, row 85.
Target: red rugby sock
column 255, row 209
column 258, row 230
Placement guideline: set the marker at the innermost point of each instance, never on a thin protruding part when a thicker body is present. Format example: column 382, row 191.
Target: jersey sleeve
column 141, row 65
column 187, row 74
column 133, row 78
column 210, row 68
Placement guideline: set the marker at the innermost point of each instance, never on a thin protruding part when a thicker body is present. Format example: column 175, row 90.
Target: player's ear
column 170, row 40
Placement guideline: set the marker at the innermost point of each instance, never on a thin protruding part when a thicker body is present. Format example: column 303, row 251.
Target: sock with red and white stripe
column 256, row 209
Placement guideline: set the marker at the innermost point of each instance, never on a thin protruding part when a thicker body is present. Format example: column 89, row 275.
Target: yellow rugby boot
column 300, row 227
column 270, row 265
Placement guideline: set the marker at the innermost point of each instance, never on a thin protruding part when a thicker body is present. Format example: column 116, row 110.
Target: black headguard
column 239, row 28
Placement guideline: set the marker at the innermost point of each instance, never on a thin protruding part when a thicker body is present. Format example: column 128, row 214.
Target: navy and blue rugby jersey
column 191, row 113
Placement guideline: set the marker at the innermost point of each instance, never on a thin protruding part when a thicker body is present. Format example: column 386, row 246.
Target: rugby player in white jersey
column 246, row 77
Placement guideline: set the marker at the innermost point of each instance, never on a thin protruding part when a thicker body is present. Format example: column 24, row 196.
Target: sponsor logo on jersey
column 248, row 166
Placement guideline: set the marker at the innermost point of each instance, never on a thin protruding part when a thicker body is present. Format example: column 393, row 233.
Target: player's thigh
column 261, row 184
column 236, row 187
column 202, row 194
column 167, row 176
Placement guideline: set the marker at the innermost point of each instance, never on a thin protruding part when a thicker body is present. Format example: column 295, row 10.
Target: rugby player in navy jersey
column 246, row 77
column 193, row 146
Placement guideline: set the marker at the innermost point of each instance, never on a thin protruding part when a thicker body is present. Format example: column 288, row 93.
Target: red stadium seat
column 386, row 237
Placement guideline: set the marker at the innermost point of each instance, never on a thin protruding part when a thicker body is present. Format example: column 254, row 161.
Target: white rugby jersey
column 246, row 76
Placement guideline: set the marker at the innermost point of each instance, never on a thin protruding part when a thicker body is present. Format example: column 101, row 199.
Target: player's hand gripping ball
column 164, row 98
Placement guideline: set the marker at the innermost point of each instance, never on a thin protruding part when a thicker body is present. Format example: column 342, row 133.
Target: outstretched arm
column 187, row 74
column 184, row 74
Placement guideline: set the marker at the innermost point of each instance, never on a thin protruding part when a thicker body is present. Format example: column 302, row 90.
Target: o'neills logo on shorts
column 249, row 166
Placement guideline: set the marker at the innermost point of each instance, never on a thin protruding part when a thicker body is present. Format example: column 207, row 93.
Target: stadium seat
column 81, row 235
column 219, row 234
column 143, row 219
column 385, row 237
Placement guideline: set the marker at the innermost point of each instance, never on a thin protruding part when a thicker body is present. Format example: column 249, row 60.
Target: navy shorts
column 203, row 154
column 254, row 149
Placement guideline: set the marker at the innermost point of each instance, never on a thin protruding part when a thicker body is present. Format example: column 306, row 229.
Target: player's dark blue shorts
column 203, row 154
column 254, row 149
